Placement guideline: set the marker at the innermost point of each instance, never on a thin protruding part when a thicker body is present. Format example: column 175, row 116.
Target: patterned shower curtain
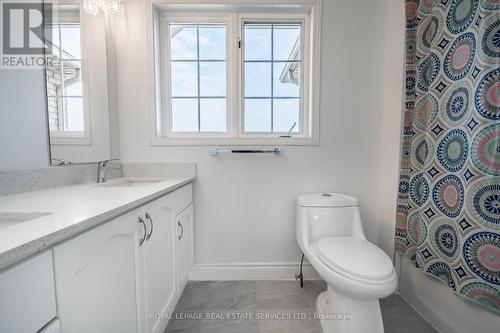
column 448, row 219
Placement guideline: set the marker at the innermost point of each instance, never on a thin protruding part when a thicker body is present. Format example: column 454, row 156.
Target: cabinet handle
column 182, row 230
column 148, row 217
column 141, row 221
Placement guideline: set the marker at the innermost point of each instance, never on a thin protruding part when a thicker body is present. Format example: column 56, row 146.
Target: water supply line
column 300, row 276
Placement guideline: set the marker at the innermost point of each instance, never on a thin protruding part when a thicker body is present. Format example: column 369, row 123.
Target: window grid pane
column 212, row 41
column 294, row 61
column 70, row 44
column 207, row 92
column 184, row 78
column 183, row 41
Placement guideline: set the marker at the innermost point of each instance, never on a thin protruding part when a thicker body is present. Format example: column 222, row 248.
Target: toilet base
column 348, row 315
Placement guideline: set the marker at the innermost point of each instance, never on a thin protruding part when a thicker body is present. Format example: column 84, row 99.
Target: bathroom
column 119, row 213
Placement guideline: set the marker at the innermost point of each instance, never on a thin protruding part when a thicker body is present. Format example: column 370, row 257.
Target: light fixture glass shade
column 114, row 7
column 91, row 6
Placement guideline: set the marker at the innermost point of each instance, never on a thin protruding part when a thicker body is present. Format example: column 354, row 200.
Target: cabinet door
column 184, row 222
column 180, row 198
column 27, row 295
column 157, row 266
column 95, row 278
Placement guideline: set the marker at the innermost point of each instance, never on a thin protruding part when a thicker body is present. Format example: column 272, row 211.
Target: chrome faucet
column 58, row 161
column 101, row 171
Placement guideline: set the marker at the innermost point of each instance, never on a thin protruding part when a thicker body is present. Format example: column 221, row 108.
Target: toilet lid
column 356, row 257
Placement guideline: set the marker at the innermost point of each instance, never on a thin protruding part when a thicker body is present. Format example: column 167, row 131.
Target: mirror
column 56, row 112
column 78, row 112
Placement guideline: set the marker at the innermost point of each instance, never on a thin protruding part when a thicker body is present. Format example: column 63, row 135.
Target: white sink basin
column 10, row 219
column 132, row 183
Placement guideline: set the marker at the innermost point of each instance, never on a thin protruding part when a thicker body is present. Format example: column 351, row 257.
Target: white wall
column 23, row 119
column 245, row 205
column 390, row 135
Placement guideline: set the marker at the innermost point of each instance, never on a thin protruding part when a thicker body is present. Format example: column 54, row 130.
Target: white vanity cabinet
column 27, row 296
column 124, row 275
column 95, row 278
column 159, row 267
column 184, row 221
column 156, row 274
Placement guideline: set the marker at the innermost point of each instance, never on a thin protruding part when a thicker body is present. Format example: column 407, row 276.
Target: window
column 236, row 77
column 65, row 100
column 272, row 77
column 198, row 77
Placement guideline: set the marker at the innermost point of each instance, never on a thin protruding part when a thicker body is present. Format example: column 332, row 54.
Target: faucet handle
column 101, row 172
column 59, row 161
column 105, row 162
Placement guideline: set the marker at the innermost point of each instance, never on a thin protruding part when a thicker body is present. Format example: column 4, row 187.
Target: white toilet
column 357, row 272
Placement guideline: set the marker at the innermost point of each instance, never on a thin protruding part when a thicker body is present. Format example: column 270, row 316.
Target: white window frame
column 306, row 11
column 166, row 112
column 78, row 137
column 303, row 20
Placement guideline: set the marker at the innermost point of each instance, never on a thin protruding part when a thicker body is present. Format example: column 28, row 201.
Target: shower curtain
column 448, row 219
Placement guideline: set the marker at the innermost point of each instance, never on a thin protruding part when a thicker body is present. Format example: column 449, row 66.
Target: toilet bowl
column 357, row 272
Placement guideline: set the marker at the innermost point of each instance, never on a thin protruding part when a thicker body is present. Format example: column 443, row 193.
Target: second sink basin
column 132, row 183
column 10, row 219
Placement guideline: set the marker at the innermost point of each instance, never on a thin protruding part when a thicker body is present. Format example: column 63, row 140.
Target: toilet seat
column 355, row 258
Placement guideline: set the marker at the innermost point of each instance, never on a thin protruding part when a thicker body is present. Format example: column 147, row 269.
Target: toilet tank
column 327, row 215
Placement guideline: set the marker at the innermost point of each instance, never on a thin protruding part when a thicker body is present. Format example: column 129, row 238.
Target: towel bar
column 216, row 151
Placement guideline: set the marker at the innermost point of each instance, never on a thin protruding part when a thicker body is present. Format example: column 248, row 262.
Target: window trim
column 84, row 137
column 312, row 8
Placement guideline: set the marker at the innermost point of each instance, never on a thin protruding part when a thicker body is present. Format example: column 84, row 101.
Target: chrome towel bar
column 216, row 151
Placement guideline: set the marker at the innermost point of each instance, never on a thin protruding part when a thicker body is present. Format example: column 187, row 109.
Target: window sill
column 69, row 138
column 163, row 141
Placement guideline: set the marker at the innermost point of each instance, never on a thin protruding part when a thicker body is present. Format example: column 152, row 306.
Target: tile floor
column 256, row 298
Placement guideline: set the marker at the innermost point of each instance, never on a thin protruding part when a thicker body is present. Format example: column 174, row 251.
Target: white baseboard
column 251, row 271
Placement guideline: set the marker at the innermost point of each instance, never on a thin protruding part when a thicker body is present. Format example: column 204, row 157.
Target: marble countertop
column 72, row 209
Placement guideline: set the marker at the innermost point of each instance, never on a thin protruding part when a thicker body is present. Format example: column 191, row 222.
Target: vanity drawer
column 180, row 198
column 27, row 301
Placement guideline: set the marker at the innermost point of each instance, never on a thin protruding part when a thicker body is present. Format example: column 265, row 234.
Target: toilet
column 357, row 272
